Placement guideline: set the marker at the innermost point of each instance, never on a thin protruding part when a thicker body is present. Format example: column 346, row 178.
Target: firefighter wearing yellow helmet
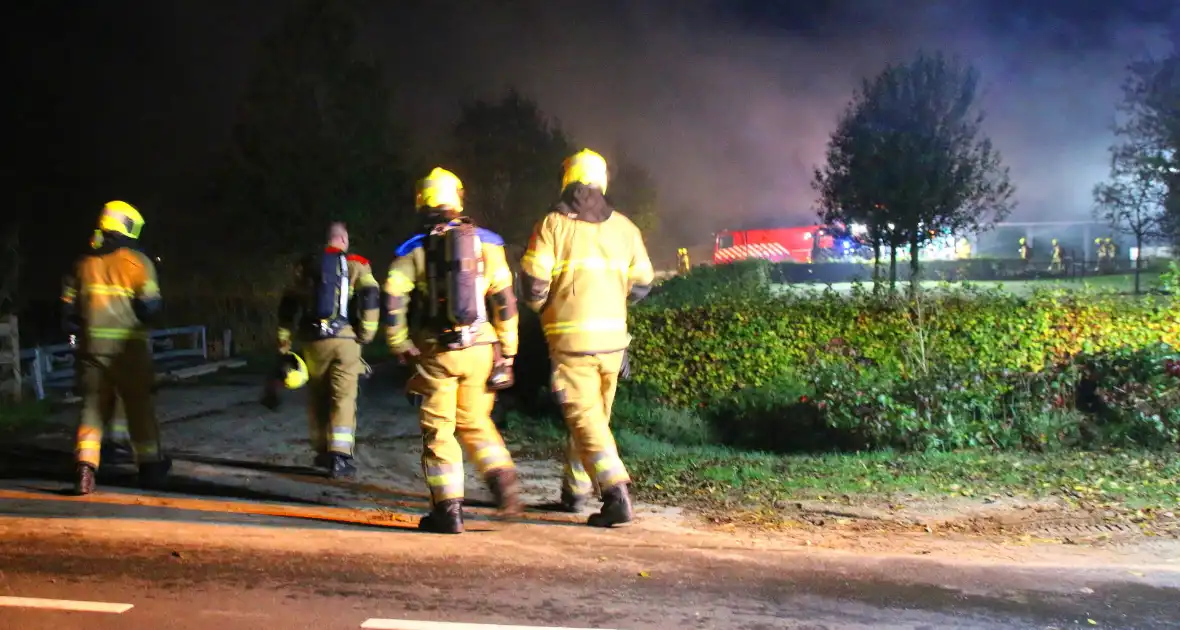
column 109, row 303
column 584, row 263
column 682, row 262
column 441, row 285
column 331, row 308
column 1056, row 261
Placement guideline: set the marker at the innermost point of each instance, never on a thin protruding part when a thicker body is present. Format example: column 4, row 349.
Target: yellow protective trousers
column 457, row 409
column 117, row 430
column 585, row 387
column 334, row 367
column 105, row 379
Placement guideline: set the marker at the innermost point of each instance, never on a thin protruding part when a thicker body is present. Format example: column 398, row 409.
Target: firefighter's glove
column 407, row 354
column 502, row 375
column 284, row 341
column 625, row 368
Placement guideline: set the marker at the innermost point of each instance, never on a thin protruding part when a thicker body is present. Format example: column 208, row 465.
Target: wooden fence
column 10, row 370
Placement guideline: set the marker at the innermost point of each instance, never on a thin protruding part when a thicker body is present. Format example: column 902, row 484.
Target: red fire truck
column 794, row 244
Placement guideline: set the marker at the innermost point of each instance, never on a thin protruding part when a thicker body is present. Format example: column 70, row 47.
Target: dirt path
column 226, row 445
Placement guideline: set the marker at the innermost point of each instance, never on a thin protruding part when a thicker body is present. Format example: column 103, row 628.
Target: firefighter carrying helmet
column 294, row 371
column 441, row 189
column 585, row 167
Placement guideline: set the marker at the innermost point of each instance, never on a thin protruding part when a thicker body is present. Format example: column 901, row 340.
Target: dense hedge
column 977, row 269
column 696, row 346
column 721, row 354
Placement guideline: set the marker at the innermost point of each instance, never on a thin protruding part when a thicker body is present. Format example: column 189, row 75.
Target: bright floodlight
column 859, row 228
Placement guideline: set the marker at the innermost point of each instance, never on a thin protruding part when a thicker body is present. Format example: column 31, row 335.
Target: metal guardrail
column 53, row 366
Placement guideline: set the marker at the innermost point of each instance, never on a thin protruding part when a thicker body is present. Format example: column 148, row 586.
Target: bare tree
column 1148, row 132
column 1132, row 202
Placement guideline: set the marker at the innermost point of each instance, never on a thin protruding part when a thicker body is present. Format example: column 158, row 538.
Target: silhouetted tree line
column 315, row 140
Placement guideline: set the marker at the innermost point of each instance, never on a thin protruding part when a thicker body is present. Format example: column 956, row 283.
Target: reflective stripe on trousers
column 342, row 440
column 445, row 481
column 490, row 456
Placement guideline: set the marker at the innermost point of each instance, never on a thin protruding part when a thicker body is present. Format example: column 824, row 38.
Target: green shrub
column 1124, row 400
column 634, row 412
column 693, row 352
column 709, row 284
column 1170, row 279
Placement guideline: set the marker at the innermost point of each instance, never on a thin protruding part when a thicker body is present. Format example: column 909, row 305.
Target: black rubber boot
column 616, row 508
column 505, row 487
column 116, row 454
column 446, row 517
column 84, row 480
column 572, row 503
column 342, row 467
column 154, row 475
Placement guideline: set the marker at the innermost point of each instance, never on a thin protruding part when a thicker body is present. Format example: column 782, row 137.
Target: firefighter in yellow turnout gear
column 113, row 299
column 331, row 321
column 584, row 262
column 1056, row 262
column 441, row 286
column 683, row 265
column 116, row 437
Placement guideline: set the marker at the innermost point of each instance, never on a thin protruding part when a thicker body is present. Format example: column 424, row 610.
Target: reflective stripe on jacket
column 580, row 274
column 109, row 296
column 406, row 283
column 362, row 286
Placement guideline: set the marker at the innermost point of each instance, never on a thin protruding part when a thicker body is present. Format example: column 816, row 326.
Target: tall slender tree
column 909, row 158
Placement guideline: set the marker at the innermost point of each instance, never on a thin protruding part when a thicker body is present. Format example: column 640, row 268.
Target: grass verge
column 716, row 478
column 19, row 418
column 713, row 477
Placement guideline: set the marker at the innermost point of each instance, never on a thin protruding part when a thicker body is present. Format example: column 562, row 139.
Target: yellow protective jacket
column 113, row 297
column 405, row 290
column 583, row 262
column 364, row 297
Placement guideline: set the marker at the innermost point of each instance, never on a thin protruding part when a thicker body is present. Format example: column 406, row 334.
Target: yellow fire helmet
column 121, row 217
column 585, row 167
column 294, row 371
column 440, row 189
column 1022, row 241
column 1054, row 241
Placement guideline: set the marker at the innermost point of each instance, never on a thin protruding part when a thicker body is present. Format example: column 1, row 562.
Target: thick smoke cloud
column 731, row 115
column 728, row 107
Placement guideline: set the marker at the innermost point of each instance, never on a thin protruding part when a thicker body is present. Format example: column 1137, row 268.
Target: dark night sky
column 728, row 103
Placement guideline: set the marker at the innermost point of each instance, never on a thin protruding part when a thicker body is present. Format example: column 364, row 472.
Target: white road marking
column 64, row 604
column 406, row 624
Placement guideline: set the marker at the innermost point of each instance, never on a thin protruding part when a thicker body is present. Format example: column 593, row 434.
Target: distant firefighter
column 1056, row 264
column 682, row 262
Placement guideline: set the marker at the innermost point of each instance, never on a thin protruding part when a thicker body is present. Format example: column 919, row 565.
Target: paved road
column 198, row 570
